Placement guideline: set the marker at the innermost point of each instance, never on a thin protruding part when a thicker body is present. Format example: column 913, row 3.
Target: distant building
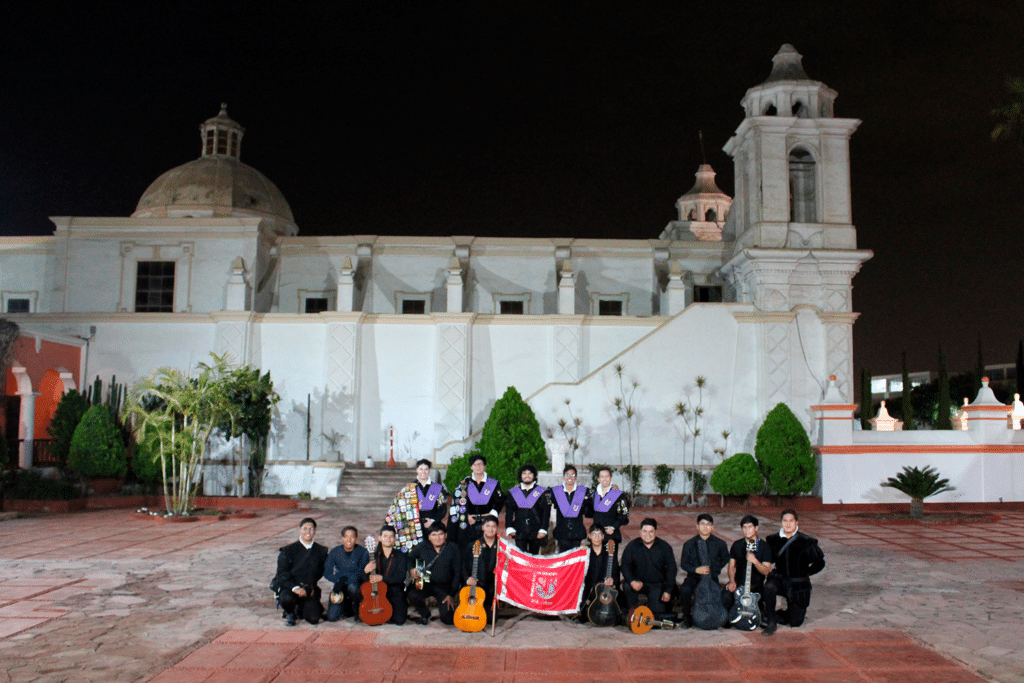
column 422, row 334
column 1001, row 376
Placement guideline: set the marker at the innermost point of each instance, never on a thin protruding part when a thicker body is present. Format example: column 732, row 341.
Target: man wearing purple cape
column 475, row 496
column 610, row 509
column 527, row 512
column 572, row 503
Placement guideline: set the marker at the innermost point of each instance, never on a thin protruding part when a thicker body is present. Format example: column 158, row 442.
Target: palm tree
column 918, row 484
column 1011, row 114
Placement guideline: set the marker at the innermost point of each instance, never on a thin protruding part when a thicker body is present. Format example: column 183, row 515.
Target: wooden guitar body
column 641, row 620
column 375, row 609
column 470, row 615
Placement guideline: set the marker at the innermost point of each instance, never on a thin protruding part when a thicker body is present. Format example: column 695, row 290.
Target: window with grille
column 154, row 287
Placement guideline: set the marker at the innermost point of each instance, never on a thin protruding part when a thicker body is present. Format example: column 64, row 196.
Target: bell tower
column 795, row 252
column 792, row 163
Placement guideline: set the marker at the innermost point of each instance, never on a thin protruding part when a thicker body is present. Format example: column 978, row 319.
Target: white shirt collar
column 305, row 545
column 795, row 532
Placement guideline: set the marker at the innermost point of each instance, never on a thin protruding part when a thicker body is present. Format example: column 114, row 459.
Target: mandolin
column 745, row 614
column 604, row 606
column 641, row 620
column 470, row 615
column 375, row 609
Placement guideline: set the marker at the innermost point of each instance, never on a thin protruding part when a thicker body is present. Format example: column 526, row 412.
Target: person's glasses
column 569, row 476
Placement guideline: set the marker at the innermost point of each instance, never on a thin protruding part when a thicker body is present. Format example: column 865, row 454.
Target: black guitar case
column 708, row 611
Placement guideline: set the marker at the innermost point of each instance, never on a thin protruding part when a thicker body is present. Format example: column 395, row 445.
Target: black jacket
column 297, row 566
column 718, row 556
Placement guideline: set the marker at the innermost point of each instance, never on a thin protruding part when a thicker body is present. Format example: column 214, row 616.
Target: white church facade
column 369, row 336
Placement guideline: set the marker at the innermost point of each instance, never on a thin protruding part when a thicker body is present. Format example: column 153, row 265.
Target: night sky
column 542, row 119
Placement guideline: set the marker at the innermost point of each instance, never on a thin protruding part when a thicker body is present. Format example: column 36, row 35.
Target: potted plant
column 97, row 450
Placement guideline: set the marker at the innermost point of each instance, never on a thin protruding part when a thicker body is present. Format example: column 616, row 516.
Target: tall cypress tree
column 979, row 370
column 866, row 403
column 942, row 419
column 908, row 408
column 1020, row 367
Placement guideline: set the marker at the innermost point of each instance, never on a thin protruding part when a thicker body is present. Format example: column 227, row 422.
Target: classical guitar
column 641, row 620
column 604, row 606
column 470, row 615
column 375, row 609
column 745, row 614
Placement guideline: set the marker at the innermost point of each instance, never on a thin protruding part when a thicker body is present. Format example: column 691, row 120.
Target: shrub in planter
column 738, row 475
column 32, row 485
column 69, row 413
column 784, row 453
column 97, row 448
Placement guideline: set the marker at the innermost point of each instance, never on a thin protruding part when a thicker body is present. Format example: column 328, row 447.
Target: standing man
column 346, row 568
column 440, row 572
column 299, row 567
column 417, row 507
column 649, row 568
column 751, row 550
column 797, row 558
column 527, row 512
column 717, row 553
column 572, row 504
column 486, row 563
column 476, row 495
column 609, row 507
column 388, row 566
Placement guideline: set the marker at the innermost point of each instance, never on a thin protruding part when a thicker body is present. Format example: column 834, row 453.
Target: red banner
column 552, row 584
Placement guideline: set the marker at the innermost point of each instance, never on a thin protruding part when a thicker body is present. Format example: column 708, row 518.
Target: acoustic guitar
column 641, row 620
column 745, row 614
column 375, row 609
column 604, row 609
column 470, row 615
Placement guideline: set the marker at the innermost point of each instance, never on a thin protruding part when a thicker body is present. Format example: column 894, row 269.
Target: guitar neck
column 751, row 548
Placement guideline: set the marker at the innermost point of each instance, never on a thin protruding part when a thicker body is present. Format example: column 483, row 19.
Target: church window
column 609, row 307
column 770, row 110
column 800, row 110
column 414, row 306
column 707, row 294
column 511, row 307
column 222, row 142
column 802, row 192
column 208, row 143
column 18, row 306
column 692, row 216
column 316, row 304
column 154, row 287
column 609, row 304
column 710, row 215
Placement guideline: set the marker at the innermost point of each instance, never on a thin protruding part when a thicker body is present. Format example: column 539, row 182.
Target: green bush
column 784, row 453
column 510, row 438
column 633, row 474
column 70, row 409
column 32, row 485
column 663, row 477
column 97, row 447
column 458, row 470
column 738, row 475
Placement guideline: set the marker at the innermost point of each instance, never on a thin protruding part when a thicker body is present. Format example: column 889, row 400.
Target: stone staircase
column 372, row 489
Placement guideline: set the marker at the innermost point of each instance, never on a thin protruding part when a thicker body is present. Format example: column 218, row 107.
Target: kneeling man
column 797, row 558
column 299, row 567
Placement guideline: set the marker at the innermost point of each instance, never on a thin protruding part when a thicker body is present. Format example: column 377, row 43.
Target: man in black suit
column 797, row 558
column 299, row 567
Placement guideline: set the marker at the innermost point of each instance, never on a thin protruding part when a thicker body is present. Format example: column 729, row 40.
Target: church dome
column 217, row 184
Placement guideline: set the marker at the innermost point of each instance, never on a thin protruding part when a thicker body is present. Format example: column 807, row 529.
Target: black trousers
column 798, row 598
column 527, row 546
column 418, row 599
column 566, row 544
column 399, row 610
column 653, row 592
column 309, row 607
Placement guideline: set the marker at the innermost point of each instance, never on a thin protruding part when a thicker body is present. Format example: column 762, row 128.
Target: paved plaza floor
column 101, row 596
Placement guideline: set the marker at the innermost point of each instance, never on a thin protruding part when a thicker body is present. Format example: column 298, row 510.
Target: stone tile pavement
column 100, row 596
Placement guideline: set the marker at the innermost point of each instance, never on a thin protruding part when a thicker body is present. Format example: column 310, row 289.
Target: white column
column 676, row 290
column 567, row 290
column 27, row 428
column 234, row 299
column 454, row 286
column 346, row 286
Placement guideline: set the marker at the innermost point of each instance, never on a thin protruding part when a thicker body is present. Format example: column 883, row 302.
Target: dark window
column 609, row 307
column 222, row 142
column 154, row 287
column 511, row 307
column 208, row 146
column 704, row 294
column 18, row 306
column 710, row 215
column 802, row 194
column 770, row 110
column 414, row 306
column 316, row 304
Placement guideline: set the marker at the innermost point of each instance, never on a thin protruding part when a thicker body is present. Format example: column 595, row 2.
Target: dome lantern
column 221, row 135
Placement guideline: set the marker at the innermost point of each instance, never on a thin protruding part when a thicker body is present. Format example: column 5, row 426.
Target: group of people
column 448, row 557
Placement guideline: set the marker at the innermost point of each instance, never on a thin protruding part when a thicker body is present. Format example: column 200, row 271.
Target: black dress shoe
column 769, row 630
column 290, row 620
column 424, row 620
